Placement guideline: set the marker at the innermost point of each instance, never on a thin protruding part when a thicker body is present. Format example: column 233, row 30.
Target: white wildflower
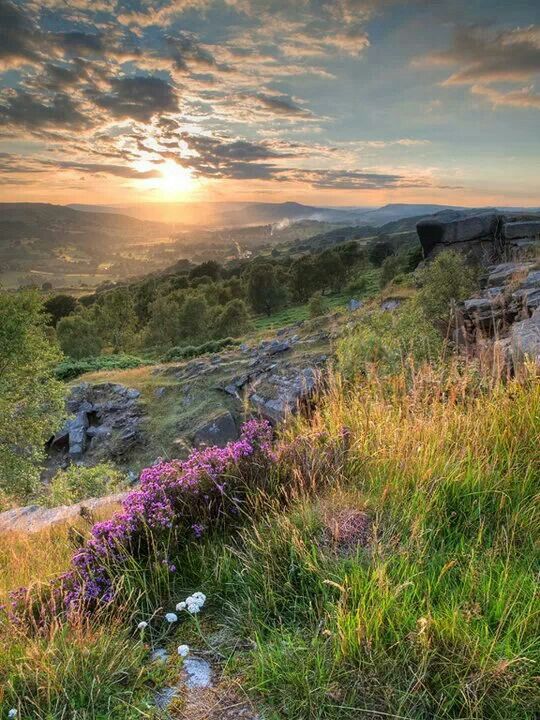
column 171, row 617
column 199, row 597
column 12, row 714
column 142, row 625
column 181, row 606
column 183, row 650
column 193, row 608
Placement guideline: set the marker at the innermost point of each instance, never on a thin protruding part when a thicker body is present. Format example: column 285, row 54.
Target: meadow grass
column 435, row 615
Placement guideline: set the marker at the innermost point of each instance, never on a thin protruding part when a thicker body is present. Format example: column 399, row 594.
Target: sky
column 327, row 102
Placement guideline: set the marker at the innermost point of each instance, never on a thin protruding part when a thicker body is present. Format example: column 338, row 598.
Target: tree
column 265, row 292
column 304, row 278
column 58, row 306
column 446, row 281
column 194, row 318
column 233, row 320
column 78, row 336
column 331, row 272
column 210, row 268
column 392, row 266
column 378, row 252
column 164, row 327
column 31, row 399
column 116, row 319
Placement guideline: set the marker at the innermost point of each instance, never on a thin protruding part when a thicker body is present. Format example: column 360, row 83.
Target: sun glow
column 175, row 179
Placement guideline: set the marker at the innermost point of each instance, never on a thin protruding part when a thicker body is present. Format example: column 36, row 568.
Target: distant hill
column 40, row 242
column 232, row 214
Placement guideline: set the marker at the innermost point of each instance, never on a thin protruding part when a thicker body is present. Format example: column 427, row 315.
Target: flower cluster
column 177, row 498
column 193, row 603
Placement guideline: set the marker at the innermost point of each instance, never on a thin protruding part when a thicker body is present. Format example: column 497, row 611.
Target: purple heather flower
column 170, row 496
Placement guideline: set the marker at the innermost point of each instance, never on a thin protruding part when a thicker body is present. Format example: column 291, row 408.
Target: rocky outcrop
column 478, row 234
column 508, row 310
column 105, row 424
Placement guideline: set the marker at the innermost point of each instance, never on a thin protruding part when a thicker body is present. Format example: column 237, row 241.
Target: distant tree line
column 192, row 305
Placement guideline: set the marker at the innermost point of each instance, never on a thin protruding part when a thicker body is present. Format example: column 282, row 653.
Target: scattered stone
column 277, row 346
column 198, row 672
column 106, row 423
column 391, row 304
column 353, row 305
column 280, row 394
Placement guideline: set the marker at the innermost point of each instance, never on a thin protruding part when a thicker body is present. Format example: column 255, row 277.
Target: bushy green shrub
column 79, row 483
column 388, row 340
column 446, row 281
column 189, row 351
column 316, row 305
column 70, row 369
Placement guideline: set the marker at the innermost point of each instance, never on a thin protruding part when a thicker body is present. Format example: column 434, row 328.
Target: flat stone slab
column 34, row 518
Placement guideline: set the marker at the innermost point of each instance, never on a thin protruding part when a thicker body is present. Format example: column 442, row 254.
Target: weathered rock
column 277, row 346
column 505, row 272
column 77, row 434
column 484, row 309
column 218, row 431
column 34, row 518
column 354, row 304
column 107, row 423
column 525, row 339
column 522, row 229
column 435, row 231
column 391, row 304
column 280, row 394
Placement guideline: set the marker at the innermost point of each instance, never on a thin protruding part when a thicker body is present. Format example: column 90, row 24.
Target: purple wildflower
column 174, row 497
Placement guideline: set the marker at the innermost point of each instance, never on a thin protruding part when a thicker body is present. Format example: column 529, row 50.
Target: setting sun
column 175, row 179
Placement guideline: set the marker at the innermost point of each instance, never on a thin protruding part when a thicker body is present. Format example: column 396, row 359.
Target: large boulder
column 435, row 231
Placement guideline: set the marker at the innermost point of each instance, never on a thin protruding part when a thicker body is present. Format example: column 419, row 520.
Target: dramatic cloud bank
column 285, row 95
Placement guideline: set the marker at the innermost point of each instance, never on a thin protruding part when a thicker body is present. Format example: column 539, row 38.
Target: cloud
column 123, row 171
column 138, row 97
column 483, row 57
column 22, row 109
column 77, row 43
column 279, row 105
column 19, row 36
column 522, row 98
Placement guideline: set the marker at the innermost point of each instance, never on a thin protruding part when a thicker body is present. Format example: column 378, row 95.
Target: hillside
column 56, row 244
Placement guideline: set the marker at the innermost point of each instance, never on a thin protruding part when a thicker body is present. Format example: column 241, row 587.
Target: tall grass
column 434, row 613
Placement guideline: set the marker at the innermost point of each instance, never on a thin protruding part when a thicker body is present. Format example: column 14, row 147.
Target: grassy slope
column 436, row 617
